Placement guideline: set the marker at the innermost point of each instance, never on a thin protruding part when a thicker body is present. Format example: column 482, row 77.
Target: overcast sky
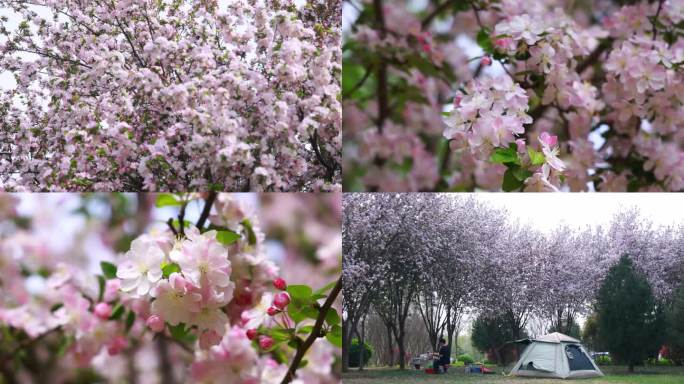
column 548, row 210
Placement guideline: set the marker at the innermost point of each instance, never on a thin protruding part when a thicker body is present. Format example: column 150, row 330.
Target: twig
column 435, row 12
column 383, row 110
column 357, row 85
column 315, row 333
column 173, row 229
column 207, row 208
column 655, row 19
column 181, row 219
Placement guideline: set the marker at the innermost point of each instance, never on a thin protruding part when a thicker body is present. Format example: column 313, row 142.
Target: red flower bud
column 251, row 333
column 265, row 342
column 281, row 300
column 280, row 284
column 486, row 61
column 272, row 311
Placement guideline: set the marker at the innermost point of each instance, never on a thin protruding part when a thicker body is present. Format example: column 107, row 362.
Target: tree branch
column 383, row 109
column 207, row 208
column 315, row 333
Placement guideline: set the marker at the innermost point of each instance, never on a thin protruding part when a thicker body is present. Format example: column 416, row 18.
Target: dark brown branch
column 331, row 165
column 173, row 229
column 357, row 85
column 383, row 104
column 181, row 219
column 130, row 42
column 594, row 56
column 207, row 208
column 315, row 333
column 435, row 12
column 654, row 22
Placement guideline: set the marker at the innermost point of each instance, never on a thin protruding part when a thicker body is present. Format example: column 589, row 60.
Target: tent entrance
column 577, row 359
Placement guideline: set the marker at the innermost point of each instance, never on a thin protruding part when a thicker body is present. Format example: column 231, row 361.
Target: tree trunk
column 390, row 346
column 346, row 343
column 402, row 361
column 362, row 339
column 631, row 368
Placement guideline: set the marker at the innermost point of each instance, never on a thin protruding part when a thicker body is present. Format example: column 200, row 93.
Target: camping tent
column 555, row 355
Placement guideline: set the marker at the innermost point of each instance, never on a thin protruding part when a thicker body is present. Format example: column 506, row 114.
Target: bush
column 602, row 360
column 465, row 358
column 664, row 362
column 354, row 353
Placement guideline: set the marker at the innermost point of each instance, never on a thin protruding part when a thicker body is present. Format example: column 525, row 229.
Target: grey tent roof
column 557, row 338
column 554, row 337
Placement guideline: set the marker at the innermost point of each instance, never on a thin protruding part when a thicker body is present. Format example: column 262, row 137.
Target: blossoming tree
column 171, row 96
column 440, row 257
column 196, row 301
column 561, row 96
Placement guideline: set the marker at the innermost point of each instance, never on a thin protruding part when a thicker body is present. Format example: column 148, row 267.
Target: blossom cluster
column 171, row 95
column 489, row 115
column 210, row 289
column 605, row 80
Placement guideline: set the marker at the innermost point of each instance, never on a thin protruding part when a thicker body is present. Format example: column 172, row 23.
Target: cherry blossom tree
column 512, row 95
column 182, row 301
column 171, row 96
column 436, row 257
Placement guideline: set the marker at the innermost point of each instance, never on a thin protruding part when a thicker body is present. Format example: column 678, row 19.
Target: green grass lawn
column 617, row 374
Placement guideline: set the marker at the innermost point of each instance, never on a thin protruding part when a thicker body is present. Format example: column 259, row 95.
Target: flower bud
column 272, row 311
column 265, row 342
column 156, row 323
column 208, row 339
column 117, row 345
column 280, row 284
column 103, row 310
column 457, row 100
column 251, row 333
column 486, row 61
column 281, row 300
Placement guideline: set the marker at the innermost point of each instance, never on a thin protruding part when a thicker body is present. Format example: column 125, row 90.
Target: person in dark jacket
column 444, row 355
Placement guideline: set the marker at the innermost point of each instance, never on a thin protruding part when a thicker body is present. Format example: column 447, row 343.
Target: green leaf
column 310, row 312
column 178, row 331
column 130, row 319
column 305, row 329
column 521, row 173
column 331, row 317
column 300, row 292
column 101, row 283
column 484, row 41
column 251, row 236
column 64, row 345
column 167, row 200
column 279, row 334
column 168, row 269
column 335, row 336
column 505, row 156
column 325, row 289
column 537, row 158
column 186, row 223
column 227, row 237
column 108, row 269
column 117, row 312
column 295, row 314
column 510, row 182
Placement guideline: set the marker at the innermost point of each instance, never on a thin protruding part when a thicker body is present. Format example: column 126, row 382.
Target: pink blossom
column 156, row 323
column 281, row 300
column 103, row 310
column 265, row 342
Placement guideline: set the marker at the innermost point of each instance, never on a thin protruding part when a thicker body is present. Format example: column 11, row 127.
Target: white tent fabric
column 555, row 356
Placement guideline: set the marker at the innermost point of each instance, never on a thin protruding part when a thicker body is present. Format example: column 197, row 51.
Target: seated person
column 444, row 353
